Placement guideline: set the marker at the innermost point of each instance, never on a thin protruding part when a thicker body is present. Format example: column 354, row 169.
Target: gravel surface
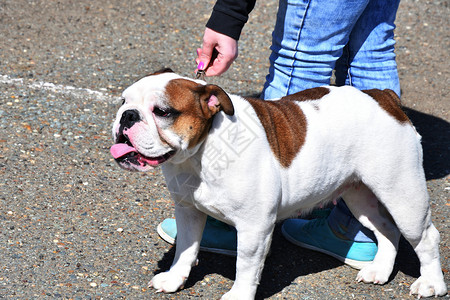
column 73, row 225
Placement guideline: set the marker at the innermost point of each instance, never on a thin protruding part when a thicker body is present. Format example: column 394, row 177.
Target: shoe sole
column 172, row 241
column 164, row 235
column 356, row 264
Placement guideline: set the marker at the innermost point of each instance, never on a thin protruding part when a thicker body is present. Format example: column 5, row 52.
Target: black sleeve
column 229, row 16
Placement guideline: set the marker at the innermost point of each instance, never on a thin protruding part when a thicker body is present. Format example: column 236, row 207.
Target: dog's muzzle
column 125, row 153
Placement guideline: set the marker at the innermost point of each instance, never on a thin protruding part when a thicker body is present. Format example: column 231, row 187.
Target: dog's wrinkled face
column 162, row 115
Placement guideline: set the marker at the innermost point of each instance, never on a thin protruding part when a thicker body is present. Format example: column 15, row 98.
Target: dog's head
column 162, row 115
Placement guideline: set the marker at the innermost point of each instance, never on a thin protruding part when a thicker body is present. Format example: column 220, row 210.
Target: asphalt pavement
column 73, row 225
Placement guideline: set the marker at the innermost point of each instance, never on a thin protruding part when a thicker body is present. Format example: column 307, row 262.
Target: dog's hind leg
column 411, row 212
column 365, row 206
column 396, row 176
column 431, row 281
column 406, row 201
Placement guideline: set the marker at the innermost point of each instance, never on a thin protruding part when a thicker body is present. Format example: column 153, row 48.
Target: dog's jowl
column 251, row 163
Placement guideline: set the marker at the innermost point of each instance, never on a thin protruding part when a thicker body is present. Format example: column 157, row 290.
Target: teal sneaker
column 218, row 237
column 316, row 235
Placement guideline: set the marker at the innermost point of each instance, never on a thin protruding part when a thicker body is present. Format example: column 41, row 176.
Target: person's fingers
column 219, row 65
column 220, row 60
column 217, row 53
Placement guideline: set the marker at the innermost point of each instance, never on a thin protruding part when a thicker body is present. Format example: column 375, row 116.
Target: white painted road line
column 58, row 88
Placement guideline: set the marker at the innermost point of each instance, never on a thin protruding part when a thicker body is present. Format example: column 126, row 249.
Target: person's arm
column 229, row 16
column 220, row 47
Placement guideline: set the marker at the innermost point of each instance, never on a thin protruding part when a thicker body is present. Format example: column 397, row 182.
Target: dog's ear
column 214, row 99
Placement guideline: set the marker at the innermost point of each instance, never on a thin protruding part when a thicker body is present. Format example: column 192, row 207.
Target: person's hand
column 217, row 53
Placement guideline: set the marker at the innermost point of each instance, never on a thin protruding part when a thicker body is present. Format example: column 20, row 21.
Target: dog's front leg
column 253, row 246
column 190, row 224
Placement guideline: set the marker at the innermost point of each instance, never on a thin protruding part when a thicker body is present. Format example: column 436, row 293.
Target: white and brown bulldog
column 250, row 163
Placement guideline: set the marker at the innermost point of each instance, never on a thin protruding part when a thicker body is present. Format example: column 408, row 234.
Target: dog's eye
column 123, row 101
column 164, row 112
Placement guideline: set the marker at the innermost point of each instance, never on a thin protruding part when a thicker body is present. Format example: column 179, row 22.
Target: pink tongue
column 119, row 150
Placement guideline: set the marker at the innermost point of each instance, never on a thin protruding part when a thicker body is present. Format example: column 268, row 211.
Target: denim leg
column 346, row 226
column 369, row 59
column 308, row 38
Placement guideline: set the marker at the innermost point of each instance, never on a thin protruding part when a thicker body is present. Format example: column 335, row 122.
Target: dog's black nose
column 129, row 118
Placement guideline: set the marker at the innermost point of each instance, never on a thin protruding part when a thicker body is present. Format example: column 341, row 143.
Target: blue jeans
column 314, row 37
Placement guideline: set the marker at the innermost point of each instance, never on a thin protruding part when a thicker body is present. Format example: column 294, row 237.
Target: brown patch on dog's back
column 308, row 94
column 285, row 126
column 285, row 123
column 390, row 102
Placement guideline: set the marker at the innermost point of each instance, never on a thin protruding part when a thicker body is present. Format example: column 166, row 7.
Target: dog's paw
column 424, row 287
column 373, row 273
column 167, row 282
